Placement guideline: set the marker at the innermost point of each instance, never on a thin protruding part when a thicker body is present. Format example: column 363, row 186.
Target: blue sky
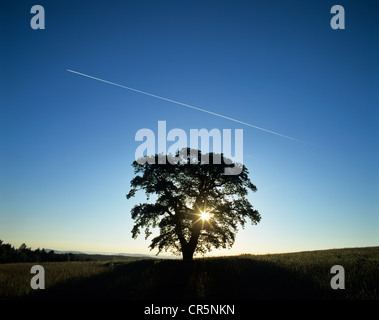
column 67, row 142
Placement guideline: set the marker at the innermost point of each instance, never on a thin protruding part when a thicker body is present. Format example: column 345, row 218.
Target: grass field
column 303, row 275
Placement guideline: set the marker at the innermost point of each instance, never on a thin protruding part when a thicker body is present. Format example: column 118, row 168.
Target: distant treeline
column 8, row 254
column 24, row 254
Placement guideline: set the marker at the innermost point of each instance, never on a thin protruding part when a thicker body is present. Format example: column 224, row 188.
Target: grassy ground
column 15, row 277
column 303, row 275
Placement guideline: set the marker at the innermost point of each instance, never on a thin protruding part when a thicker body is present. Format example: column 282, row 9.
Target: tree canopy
column 197, row 206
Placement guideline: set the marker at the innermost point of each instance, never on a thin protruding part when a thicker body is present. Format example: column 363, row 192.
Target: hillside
column 302, row 275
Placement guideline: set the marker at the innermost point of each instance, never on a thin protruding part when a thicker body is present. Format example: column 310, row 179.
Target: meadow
column 301, row 275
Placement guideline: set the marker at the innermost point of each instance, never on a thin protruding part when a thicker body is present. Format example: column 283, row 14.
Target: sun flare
column 205, row 216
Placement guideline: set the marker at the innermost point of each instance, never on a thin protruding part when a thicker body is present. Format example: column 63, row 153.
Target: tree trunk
column 187, row 253
column 189, row 248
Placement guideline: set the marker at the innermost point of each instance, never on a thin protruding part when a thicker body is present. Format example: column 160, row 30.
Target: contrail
column 180, row 103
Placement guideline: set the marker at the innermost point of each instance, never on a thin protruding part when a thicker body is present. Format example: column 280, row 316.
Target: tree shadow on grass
column 216, row 278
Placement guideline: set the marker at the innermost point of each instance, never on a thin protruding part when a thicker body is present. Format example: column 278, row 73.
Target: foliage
column 183, row 191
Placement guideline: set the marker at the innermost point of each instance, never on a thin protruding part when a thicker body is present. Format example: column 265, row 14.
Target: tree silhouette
column 197, row 205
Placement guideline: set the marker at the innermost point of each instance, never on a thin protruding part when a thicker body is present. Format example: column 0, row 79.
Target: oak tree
column 196, row 205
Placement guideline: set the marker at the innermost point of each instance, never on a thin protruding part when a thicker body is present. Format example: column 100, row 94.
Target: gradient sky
column 67, row 142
